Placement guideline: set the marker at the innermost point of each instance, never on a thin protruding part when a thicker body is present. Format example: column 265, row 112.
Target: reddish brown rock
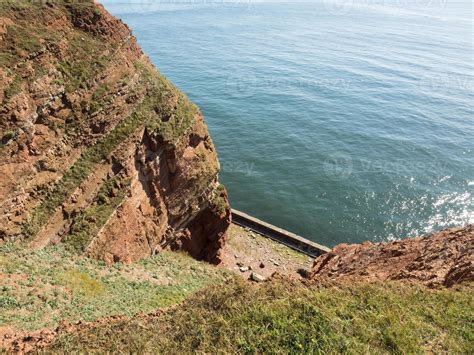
column 71, row 77
column 442, row 259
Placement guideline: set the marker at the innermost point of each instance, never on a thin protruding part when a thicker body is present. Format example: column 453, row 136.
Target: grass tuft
column 81, row 283
column 89, row 222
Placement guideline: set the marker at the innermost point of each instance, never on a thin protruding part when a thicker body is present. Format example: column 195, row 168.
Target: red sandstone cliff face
column 443, row 259
column 98, row 150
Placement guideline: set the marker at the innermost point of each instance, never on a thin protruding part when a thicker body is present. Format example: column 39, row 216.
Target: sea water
column 340, row 121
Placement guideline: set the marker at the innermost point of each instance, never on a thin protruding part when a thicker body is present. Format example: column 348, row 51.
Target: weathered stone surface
column 442, row 259
column 98, row 150
column 257, row 277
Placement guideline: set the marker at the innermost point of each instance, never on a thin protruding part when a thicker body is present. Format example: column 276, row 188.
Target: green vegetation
column 14, row 88
column 87, row 57
column 5, row 59
column 22, row 40
column 82, row 168
column 80, row 282
column 218, row 201
column 158, row 98
column 282, row 317
column 164, row 109
column 88, row 223
column 40, row 288
column 25, row 38
column 175, row 111
column 25, row 5
column 99, row 99
column 179, row 123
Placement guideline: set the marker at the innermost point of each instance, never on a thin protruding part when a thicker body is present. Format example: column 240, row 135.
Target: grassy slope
column 282, row 317
column 42, row 288
column 39, row 288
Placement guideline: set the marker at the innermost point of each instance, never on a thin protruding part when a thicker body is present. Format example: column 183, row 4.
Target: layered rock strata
column 98, row 150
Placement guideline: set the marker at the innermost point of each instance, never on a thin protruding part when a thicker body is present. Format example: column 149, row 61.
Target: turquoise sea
column 340, row 121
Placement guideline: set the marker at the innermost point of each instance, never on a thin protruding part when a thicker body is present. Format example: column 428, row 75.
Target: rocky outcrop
column 98, row 150
column 442, row 259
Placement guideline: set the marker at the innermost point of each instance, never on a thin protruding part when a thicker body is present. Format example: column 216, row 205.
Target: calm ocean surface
column 340, row 122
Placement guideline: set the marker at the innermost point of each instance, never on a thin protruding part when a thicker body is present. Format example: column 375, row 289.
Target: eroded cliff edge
column 98, row 150
column 444, row 258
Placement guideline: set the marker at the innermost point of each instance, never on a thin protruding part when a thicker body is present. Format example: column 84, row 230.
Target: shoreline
column 278, row 234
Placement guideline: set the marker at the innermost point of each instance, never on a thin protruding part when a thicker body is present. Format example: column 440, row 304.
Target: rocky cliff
column 98, row 150
column 442, row 259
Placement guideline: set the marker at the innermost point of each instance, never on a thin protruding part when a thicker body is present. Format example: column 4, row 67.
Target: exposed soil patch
column 247, row 252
